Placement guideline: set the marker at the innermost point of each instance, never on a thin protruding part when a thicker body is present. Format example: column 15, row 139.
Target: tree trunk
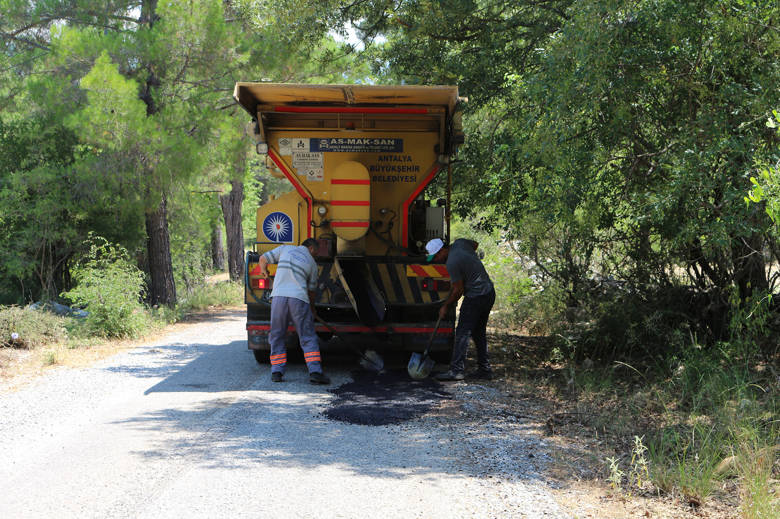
column 217, row 248
column 231, row 209
column 750, row 267
column 162, row 289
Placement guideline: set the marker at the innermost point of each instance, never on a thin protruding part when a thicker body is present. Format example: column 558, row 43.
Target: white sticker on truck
column 299, row 145
column 307, row 160
column 285, row 146
column 314, row 174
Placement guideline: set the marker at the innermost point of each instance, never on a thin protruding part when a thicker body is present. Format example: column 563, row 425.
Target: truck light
column 260, row 283
column 435, row 285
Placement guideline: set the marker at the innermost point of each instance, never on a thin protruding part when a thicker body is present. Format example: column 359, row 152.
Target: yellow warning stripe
column 387, row 284
column 427, row 271
column 408, row 297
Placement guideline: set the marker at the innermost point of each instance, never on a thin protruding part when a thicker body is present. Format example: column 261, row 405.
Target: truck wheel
column 262, row 357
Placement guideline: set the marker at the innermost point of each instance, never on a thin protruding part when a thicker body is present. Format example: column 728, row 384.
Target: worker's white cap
column 432, row 247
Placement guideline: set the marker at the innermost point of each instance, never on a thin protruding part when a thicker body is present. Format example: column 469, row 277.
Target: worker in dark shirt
column 470, row 280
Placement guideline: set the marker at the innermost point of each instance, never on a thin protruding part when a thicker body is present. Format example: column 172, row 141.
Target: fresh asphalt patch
column 387, row 398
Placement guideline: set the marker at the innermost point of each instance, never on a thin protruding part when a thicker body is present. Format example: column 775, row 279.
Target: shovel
column 369, row 359
column 420, row 366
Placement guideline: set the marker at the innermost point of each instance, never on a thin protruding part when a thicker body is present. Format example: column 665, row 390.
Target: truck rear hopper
column 359, row 159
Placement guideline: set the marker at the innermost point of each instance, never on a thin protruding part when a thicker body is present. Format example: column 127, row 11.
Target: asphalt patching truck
column 360, row 160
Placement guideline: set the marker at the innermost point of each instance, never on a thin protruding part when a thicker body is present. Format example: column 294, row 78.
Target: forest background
column 620, row 168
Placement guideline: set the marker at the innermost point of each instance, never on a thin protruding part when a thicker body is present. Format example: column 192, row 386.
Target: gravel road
column 192, row 427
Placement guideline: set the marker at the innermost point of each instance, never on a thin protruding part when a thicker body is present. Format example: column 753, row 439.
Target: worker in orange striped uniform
column 292, row 301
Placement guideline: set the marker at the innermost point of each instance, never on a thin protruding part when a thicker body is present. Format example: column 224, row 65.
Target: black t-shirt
column 464, row 264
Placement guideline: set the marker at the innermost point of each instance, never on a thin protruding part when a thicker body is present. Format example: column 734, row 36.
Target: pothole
column 388, row 398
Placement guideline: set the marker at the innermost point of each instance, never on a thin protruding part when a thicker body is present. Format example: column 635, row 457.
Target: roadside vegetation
column 697, row 424
column 106, row 304
column 32, row 339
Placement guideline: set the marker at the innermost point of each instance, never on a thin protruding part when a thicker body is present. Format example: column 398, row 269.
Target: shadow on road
column 285, row 425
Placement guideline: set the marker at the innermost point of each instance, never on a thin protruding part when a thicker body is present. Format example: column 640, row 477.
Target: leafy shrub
column 28, row 328
column 110, row 287
column 213, row 294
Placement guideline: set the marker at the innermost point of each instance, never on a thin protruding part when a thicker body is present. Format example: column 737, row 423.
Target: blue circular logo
column 278, row 227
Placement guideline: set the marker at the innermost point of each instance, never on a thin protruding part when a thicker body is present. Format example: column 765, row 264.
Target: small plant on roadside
column 49, row 358
column 110, row 287
column 615, row 478
column 640, row 474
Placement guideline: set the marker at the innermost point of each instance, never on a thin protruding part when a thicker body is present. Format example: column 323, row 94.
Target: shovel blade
column 420, row 366
column 371, row 361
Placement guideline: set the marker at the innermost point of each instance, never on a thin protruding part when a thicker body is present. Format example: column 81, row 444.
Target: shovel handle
column 352, row 347
column 430, row 341
column 326, row 325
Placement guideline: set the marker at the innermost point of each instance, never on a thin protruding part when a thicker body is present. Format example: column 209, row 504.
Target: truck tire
column 262, row 357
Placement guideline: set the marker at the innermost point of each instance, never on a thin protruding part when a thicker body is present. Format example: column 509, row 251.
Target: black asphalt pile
column 388, row 398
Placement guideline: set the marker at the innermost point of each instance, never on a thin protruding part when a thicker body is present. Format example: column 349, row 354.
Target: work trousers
column 472, row 322
column 286, row 310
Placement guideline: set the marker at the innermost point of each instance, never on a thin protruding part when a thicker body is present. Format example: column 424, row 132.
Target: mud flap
column 366, row 298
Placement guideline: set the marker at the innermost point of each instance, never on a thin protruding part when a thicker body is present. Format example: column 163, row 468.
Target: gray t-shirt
column 464, row 264
column 296, row 273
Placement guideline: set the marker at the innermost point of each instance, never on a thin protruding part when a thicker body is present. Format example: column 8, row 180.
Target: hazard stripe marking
column 419, row 270
column 393, row 294
column 399, row 288
column 414, row 285
column 350, row 182
column 427, row 271
column 349, row 224
column 350, row 202
column 349, row 110
column 373, row 268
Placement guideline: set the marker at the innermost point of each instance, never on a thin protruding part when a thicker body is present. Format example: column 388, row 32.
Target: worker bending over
column 469, row 279
column 292, row 300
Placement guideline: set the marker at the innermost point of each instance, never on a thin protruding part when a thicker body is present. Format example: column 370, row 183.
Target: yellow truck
column 359, row 159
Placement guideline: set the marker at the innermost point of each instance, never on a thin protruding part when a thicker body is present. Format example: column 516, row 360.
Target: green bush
column 110, row 288
column 213, row 294
column 28, row 328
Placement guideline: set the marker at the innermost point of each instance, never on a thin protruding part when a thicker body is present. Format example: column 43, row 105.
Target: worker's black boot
column 318, row 377
column 450, row 376
column 276, row 376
